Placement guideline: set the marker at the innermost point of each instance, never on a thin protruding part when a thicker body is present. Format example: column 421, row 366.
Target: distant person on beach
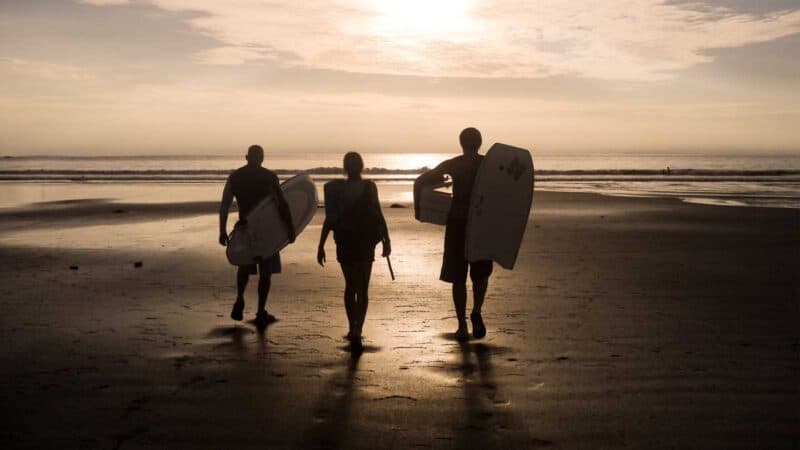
column 462, row 170
column 353, row 212
column 250, row 184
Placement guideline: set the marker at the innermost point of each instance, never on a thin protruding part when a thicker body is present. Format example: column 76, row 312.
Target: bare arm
column 323, row 237
column 433, row 177
column 375, row 204
column 283, row 210
column 327, row 226
column 224, row 208
column 384, row 230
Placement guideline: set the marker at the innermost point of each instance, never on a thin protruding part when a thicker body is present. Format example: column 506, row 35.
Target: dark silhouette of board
column 500, row 205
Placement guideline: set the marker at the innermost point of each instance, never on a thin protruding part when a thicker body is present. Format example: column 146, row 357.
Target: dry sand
column 641, row 323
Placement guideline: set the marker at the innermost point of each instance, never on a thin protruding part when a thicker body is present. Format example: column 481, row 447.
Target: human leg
column 460, row 303
column 242, row 276
column 264, row 284
column 362, row 292
column 349, row 296
column 454, row 270
column 479, row 288
column 266, row 268
column 479, row 273
column 479, row 293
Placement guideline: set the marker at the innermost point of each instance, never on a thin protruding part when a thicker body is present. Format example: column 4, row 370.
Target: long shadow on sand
column 238, row 334
column 486, row 419
column 332, row 412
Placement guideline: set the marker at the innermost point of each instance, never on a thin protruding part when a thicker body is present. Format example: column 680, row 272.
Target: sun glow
column 421, row 20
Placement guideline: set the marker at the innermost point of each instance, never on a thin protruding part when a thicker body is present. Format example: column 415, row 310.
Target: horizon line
column 719, row 153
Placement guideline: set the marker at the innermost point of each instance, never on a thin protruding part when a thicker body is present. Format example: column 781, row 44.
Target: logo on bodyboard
column 515, row 169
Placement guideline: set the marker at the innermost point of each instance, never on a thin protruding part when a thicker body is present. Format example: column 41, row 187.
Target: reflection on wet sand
column 237, row 335
column 477, row 427
column 609, row 308
column 331, row 421
column 487, row 420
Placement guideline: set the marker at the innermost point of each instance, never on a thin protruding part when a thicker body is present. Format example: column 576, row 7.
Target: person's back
column 352, row 192
column 353, row 213
column 462, row 170
column 250, row 184
column 342, row 196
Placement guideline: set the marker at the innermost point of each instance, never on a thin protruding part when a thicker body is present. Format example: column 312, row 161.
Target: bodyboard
column 500, row 205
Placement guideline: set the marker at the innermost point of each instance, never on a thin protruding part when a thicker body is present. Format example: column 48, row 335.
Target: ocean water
column 772, row 181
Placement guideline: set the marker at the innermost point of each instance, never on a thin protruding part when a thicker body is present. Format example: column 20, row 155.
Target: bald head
column 255, row 155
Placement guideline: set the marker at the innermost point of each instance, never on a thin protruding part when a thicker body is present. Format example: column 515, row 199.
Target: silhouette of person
column 250, row 184
column 462, row 170
column 353, row 212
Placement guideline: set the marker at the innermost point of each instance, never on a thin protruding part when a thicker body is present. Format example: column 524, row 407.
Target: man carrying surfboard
column 462, row 170
column 250, row 184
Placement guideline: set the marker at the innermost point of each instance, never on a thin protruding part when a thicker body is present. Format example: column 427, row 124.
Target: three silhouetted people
column 353, row 213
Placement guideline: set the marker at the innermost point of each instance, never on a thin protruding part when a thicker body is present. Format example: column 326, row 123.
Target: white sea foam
column 734, row 181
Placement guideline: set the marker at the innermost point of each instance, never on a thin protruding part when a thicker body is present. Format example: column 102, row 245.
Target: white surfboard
column 501, row 202
column 264, row 233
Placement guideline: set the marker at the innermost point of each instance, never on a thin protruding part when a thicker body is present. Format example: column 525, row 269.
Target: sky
column 113, row 77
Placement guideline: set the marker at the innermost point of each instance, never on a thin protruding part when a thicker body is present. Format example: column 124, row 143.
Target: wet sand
column 641, row 323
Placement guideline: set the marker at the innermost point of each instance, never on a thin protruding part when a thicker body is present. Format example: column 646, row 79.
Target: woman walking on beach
column 353, row 212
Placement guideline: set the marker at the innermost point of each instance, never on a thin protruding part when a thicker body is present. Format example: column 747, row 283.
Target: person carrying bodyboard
column 462, row 170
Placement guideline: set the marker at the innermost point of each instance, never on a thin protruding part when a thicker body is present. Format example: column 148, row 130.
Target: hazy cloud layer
column 22, row 68
column 636, row 40
column 186, row 76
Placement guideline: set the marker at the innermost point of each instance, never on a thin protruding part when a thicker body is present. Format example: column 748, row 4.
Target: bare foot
column 264, row 318
column 478, row 328
column 462, row 334
column 237, row 313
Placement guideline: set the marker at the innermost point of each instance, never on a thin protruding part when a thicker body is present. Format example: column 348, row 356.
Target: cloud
column 633, row 40
column 42, row 70
column 127, row 43
column 749, row 6
column 183, row 75
column 105, row 2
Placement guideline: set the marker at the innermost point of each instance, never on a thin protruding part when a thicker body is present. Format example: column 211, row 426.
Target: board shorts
column 266, row 267
column 454, row 262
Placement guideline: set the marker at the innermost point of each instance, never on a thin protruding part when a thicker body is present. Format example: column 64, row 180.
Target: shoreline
column 721, row 193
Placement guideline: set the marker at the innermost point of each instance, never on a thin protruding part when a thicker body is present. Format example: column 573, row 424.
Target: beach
column 628, row 322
